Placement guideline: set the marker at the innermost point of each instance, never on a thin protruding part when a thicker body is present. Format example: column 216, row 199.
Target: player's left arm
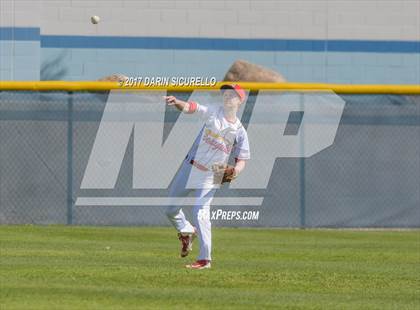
column 239, row 166
column 227, row 173
column 242, row 153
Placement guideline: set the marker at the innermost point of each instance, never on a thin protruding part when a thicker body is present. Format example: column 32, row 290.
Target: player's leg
column 201, row 213
column 178, row 191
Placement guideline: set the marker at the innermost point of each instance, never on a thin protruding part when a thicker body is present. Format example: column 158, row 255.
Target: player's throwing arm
column 179, row 104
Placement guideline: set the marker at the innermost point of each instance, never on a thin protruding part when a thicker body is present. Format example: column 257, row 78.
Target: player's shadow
column 53, row 69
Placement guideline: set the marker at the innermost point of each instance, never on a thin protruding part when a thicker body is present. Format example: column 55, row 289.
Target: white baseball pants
column 180, row 187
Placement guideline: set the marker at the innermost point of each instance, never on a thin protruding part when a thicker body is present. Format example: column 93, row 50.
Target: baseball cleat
column 186, row 243
column 200, row 264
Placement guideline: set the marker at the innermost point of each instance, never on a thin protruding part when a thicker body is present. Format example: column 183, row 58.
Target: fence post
column 70, row 159
column 302, row 184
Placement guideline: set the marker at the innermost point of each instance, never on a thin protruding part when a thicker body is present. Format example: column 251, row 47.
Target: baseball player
column 206, row 167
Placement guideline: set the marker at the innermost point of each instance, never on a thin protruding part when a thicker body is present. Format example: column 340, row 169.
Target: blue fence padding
column 367, row 178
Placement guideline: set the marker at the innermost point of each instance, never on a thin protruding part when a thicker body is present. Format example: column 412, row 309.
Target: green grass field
column 58, row 267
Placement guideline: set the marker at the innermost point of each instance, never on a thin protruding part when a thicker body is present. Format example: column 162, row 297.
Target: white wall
column 299, row 19
column 19, row 59
column 393, row 20
column 20, row 13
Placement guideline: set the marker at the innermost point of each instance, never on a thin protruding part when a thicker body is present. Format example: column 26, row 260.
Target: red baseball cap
column 238, row 89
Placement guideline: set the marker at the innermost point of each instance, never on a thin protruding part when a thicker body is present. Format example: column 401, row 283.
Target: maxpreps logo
column 231, row 215
column 271, row 130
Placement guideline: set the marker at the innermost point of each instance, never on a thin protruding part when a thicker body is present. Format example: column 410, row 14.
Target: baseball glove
column 223, row 173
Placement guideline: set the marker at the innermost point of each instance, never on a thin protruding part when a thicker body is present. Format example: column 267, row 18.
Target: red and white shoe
column 200, row 264
column 186, row 243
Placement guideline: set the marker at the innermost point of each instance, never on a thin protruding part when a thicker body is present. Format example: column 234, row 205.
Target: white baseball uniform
column 216, row 141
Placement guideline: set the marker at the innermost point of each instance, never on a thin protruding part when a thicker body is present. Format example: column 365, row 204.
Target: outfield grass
column 58, row 267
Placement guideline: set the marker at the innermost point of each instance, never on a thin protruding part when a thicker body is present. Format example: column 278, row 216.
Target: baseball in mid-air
column 95, row 19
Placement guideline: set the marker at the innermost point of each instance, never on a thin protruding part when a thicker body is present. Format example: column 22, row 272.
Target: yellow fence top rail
column 105, row 86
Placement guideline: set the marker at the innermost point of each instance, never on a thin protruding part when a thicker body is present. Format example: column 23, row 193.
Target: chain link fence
column 368, row 177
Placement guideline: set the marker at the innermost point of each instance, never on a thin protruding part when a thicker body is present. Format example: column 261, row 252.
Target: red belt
column 198, row 165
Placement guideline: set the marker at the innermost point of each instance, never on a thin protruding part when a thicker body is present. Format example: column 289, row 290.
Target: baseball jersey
column 218, row 138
